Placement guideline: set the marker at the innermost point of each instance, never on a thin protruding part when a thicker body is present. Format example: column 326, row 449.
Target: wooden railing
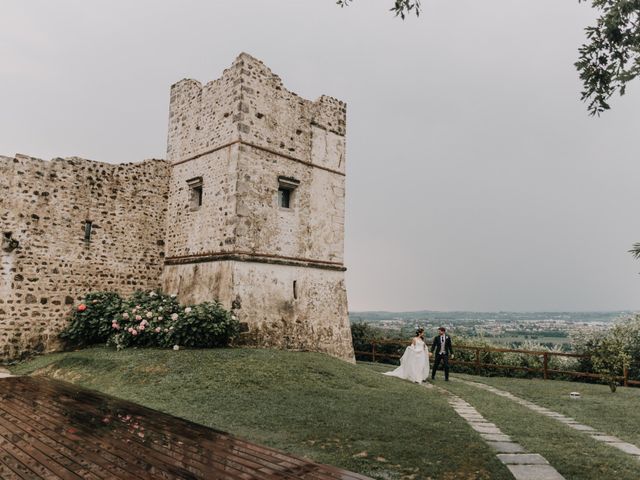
column 479, row 365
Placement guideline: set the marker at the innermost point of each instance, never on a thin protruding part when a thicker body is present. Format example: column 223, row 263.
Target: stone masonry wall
column 310, row 314
column 240, row 134
column 210, row 228
column 313, row 228
column 43, row 207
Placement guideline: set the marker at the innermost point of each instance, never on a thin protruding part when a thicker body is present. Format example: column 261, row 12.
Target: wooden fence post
column 625, row 374
column 478, row 361
column 546, row 365
column 373, row 352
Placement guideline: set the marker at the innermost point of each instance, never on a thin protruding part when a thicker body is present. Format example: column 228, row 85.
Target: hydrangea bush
column 148, row 319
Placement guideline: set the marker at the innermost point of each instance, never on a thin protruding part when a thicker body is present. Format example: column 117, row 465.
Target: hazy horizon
column 476, row 181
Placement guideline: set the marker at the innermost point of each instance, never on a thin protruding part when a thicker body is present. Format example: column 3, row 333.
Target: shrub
column 613, row 350
column 149, row 319
column 362, row 334
column 91, row 320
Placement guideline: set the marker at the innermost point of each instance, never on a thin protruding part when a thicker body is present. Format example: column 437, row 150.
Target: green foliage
column 401, row 8
column 91, row 320
column 614, row 350
column 148, row 319
column 611, row 57
column 363, row 334
column 206, row 325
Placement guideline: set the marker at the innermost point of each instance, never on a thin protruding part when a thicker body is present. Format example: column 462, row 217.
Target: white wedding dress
column 414, row 363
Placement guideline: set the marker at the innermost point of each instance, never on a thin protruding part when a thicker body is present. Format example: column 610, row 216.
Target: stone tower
column 255, row 214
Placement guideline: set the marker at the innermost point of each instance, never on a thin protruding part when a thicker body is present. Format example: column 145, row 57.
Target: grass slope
column 308, row 404
column 574, row 454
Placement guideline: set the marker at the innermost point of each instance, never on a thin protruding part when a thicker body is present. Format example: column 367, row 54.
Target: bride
column 414, row 364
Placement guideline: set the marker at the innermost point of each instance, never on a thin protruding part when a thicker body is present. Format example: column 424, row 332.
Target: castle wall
column 241, row 134
column 310, row 316
column 315, row 318
column 210, row 227
column 203, row 117
column 44, row 206
column 312, row 229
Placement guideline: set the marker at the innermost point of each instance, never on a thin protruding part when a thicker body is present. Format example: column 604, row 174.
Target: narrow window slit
column 87, row 230
column 286, row 189
column 195, row 193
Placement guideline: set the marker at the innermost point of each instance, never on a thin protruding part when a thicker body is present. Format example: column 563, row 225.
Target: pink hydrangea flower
column 149, row 314
column 125, row 315
column 158, row 329
column 141, row 327
column 187, row 310
column 174, row 316
column 134, row 332
column 138, row 317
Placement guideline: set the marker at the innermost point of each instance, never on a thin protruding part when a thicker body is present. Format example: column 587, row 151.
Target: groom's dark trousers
column 444, row 358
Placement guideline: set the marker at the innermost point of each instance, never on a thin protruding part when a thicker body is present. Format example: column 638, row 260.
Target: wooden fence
column 478, row 364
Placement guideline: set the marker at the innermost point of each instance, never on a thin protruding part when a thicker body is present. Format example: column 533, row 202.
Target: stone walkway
column 610, row 440
column 523, row 465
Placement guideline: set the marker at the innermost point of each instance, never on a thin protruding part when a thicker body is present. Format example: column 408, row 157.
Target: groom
column 441, row 348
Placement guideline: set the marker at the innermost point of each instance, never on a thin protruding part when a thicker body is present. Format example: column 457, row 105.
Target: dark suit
column 443, row 357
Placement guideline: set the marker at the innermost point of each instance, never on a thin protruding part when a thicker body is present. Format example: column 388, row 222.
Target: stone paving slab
column 627, row 448
column 471, row 418
column 566, row 420
column 507, row 447
column 522, row 459
column 582, row 428
column 482, row 424
column 481, row 429
column 606, row 438
column 496, row 437
column 534, row 472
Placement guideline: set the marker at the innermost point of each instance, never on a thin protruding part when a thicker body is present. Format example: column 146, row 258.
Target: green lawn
column 615, row 413
column 574, row 454
column 305, row 403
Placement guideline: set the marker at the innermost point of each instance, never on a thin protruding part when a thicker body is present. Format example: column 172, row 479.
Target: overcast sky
column 475, row 178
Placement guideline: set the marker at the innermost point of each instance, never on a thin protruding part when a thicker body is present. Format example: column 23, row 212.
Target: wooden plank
column 134, row 456
column 53, row 430
column 236, row 454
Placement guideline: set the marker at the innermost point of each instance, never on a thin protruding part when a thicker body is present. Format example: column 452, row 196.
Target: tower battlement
column 248, row 103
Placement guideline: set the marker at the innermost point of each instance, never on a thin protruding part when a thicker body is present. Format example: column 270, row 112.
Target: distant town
column 511, row 329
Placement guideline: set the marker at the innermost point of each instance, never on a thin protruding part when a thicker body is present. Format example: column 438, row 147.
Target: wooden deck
column 54, row 430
